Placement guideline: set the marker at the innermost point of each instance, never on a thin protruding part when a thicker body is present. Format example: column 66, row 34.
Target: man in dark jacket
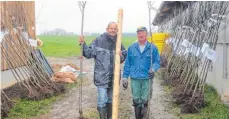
column 102, row 50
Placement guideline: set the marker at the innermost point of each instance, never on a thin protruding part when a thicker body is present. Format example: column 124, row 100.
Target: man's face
column 112, row 29
column 142, row 36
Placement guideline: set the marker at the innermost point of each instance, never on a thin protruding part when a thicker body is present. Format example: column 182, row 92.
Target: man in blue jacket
column 140, row 69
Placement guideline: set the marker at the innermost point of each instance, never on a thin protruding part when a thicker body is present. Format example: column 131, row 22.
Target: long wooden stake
column 117, row 68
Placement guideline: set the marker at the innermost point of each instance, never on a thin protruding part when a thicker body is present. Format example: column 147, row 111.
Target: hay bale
column 56, row 67
column 66, row 77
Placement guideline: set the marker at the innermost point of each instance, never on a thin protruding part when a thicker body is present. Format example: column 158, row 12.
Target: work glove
column 125, row 83
column 151, row 74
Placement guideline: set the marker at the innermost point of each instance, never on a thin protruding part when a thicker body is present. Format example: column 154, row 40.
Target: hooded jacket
column 102, row 49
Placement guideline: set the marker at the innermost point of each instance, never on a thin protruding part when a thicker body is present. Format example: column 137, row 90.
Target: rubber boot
column 144, row 111
column 137, row 109
column 102, row 112
column 109, row 110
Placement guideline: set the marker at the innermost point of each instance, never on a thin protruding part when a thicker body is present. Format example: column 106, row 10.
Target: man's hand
column 120, row 53
column 125, row 83
column 81, row 40
column 151, row 74
column 81, row 58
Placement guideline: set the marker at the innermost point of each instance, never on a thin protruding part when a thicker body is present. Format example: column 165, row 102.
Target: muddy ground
column 67, row 107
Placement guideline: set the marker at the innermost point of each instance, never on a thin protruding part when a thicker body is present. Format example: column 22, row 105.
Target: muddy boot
column 109, row 110
column 144, row 112
column 137, row 111
column 102, row 112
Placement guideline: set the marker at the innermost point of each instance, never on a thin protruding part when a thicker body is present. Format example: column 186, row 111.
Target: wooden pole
column 117, row 67
column 30, row 18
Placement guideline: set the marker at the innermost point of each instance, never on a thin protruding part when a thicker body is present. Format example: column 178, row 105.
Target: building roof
column 167, row 10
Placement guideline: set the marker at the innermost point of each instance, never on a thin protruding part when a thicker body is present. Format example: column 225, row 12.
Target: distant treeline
column 62, row 32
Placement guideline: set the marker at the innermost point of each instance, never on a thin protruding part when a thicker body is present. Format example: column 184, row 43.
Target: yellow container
column 159, row 37
column 149, row 39
column 159, row 44
column 159, row 40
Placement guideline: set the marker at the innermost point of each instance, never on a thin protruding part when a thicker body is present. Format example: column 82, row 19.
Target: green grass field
column 65, row 46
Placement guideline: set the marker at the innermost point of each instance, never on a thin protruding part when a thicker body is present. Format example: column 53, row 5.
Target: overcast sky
column 66, row 14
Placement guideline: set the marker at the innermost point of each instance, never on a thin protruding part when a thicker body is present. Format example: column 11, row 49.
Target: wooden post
column 30, row 18
column 117, row 68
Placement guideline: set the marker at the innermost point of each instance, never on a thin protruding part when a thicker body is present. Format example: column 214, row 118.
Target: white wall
column 219, row 76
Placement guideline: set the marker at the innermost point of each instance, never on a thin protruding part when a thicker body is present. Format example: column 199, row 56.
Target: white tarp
column 68, row 68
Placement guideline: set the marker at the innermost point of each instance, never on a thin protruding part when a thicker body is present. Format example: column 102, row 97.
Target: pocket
column 147, row 60
column 148, row 57
column 102, row 59
column 134, row 55
column 101, row 77
column 100, row 52
column 134, row 59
